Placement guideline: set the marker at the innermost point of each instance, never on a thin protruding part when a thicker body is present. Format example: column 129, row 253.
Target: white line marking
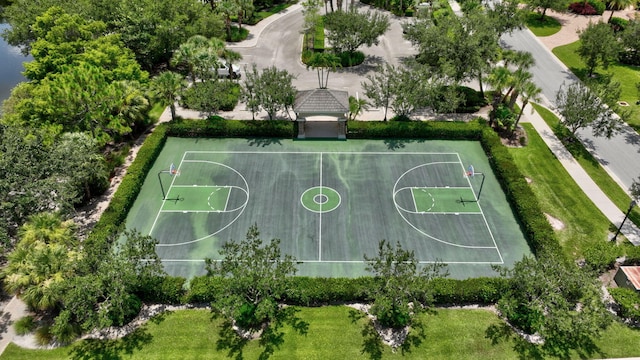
column 320, row 216
column 320, row 152
column 354, row 261
column 153, row 225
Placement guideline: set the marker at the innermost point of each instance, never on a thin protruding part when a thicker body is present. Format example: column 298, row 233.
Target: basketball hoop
column 470, row 171
column 174, row 171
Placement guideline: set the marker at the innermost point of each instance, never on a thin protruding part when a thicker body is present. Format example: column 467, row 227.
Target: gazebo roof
column 321, row 101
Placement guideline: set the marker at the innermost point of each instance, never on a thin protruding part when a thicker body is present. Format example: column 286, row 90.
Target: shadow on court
column 397, row 144
column 263, row 142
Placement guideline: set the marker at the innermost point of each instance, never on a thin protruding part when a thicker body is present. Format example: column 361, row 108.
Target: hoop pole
column 481, row 184
column 161, row 187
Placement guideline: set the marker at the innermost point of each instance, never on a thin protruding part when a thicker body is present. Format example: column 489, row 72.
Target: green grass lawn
column 542, row 27
column 560, row 196
column 591, row 165
column 449, row 334
column 626, row 75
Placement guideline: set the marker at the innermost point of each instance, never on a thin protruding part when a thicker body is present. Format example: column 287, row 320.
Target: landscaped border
column 316, row 291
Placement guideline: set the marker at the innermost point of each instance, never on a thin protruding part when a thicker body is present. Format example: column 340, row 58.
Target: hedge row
column 398, row 130
column 316, row 291
column 307, row 291
column 533, row 223
column 219, row 127
column 116, row 213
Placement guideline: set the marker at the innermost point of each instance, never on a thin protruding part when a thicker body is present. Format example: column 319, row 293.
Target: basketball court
column 330, row 202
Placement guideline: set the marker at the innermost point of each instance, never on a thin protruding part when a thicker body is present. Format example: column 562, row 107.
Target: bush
column 218, row 127
column 592, row 7
column 601, row 256
column 43, row 335
column 618, row 24
column 212, row 96
column 163, row 290
column 348, row 59
column 521, row 316
column 629, row 302
column 472, row 100
column 238, row 35
column 24, row 325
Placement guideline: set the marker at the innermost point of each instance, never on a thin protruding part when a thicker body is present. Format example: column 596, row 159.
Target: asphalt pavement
column 620, row 155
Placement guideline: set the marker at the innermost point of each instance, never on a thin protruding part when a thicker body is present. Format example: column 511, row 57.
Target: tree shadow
column 397, row 144
column 230, row 340
column 271, row 338
column 561, row 347
column 503, row 333
column 95, row 349
column 263, row 142
column 5, row 322
column 372, row 346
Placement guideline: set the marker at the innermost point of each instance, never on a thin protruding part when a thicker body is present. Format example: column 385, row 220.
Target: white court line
column 321, row 152
column 320, row 216
column 415, row 204
column 351, row 261
column 486, row 224
column 155, row 221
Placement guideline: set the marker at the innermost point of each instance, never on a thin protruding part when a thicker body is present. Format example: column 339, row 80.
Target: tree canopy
column 349, row 30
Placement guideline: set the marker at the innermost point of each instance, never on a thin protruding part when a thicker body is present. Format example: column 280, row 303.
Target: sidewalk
column 580, row 176
column 14, row 310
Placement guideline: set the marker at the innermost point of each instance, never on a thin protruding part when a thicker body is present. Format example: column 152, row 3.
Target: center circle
column 320, row 199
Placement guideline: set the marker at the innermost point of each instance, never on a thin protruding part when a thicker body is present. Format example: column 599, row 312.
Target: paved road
column 281, row 42
column 621, row 154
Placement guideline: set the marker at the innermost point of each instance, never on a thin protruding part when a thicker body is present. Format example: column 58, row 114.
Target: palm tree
column 323, row 61
column 185, row 55
column 44, row 258
column 356, row 106
column 231, row 57
column 246, row 9
column 619, row 5
column 529, row 91
column 49, row 228
column 228, row 8
column 168, row 86
column 498, row 79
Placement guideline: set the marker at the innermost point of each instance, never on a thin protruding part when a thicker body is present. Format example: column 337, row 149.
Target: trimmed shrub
column 618, row 24
column 218, row 127
column 475, row 290
column 629, row 302
column 164, row 290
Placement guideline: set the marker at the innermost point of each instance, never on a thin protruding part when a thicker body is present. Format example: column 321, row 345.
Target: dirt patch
column 556, row 224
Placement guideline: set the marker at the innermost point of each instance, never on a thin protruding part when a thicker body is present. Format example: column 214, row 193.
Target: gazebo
column 321, row 103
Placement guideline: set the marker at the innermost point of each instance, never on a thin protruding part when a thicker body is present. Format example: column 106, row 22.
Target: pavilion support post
column 301, row 127
column 342, row 128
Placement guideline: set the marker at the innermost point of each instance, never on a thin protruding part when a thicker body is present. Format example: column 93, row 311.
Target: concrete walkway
column 14, row 310
column 580, row 176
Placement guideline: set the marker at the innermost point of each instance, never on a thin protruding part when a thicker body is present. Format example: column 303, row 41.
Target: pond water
column 11, row 68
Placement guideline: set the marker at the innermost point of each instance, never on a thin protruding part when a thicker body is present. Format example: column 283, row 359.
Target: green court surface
column 330, row 202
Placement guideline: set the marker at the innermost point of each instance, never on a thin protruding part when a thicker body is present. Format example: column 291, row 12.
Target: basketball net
column 173, row 170
column 470, row 171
